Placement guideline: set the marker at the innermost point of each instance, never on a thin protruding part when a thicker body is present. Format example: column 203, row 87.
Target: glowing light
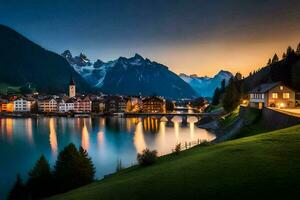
column 85, row 143
column 138, row 139
column 52, row 136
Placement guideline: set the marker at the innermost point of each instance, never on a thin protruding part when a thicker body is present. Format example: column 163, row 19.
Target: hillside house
column 272, row 95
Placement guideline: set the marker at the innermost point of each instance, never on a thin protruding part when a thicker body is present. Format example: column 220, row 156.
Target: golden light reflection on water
column 9, row 126
column 28, row 128
column 52, row 136
column 85, row 143
column 138, row 139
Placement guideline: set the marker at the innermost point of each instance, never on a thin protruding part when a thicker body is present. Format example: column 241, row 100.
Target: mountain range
column 130, row 76
column 23, row 62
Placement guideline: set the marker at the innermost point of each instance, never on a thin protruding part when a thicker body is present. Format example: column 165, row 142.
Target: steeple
column 72, row 88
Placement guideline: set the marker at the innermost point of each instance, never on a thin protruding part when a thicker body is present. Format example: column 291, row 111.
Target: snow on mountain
column 130, row 76
column 205, row 86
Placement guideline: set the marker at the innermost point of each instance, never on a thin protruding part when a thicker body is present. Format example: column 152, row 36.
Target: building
column 83, row 105
column 272, row 95
column 72, row 88
column 98, row 105
column 66, row 105
column 6, row 106
column 153, row 105
column 21, row 105
column 48, row 104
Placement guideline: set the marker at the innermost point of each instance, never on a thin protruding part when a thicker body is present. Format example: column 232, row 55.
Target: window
column 274, row 95
column 281, row 87
column 286, row 95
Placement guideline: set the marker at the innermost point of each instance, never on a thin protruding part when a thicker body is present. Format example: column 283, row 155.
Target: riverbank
column 261, row 166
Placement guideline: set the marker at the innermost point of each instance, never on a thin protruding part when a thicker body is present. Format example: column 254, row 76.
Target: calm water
column 107, row 140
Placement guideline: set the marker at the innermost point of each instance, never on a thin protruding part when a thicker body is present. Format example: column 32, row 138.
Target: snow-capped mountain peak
column 131, row 76
column 205, row 86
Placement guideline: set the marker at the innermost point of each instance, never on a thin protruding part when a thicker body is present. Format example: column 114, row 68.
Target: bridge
column 170, row 116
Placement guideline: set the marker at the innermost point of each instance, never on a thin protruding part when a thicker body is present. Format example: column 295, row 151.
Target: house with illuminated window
column 272, row 95
column 47, row 104
column 22, row 105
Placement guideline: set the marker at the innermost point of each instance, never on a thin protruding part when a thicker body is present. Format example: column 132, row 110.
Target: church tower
column 72, row 88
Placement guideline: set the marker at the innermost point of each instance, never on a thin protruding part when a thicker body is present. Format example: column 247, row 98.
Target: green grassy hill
column 261, row 166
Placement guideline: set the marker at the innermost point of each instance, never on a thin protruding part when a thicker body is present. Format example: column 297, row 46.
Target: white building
column 66, row 106
column 21, row 105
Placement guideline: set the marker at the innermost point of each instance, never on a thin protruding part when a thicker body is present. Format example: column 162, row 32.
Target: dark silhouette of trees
column 223, row 86
column 73, row 169
column 86, row 167
column 216, row 97
column 232, row 95
column 283, row 55
column 19, row 190
column 289, row 51
column 275, row 59
column 298, row 50
column 269, row 62
column 40, row 179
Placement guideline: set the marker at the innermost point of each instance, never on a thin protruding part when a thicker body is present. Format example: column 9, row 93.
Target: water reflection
column 106, row 140
column 53, row 137
column 85, row 140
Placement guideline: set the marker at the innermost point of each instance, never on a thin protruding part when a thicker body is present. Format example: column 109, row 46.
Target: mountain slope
column 131, row 76
column 264, row 166
column 286, row 70
column 205, row 86
column 22, row 61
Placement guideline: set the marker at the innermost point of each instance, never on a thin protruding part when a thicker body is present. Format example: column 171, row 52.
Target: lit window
column 286, row 95
column 281, row 87
column 274, row 95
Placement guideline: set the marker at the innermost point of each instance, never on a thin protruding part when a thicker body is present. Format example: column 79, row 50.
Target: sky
column 189, row 36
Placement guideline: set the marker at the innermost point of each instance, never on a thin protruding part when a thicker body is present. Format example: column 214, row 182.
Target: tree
column 275, row 59
column 86, row 167
column 19, row 191
column 289, row 51
column 73, row 168
column 232, row 96
column 269, row 62
column 223, row 86
column 216, row 97
column 40, row 180
column 283, row 55
column 298, row 49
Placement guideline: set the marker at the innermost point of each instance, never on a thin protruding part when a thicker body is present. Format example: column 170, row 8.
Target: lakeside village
column 77, row 105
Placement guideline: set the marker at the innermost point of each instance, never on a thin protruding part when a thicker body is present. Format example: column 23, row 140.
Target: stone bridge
column 170, row 116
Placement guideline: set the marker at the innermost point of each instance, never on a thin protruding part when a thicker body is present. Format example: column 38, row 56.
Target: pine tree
column 66, row 169
column 232, row 96
column 216, row 97
column 283, row 55
column 269, row 62
column 19, row 191
column 73, row 168
column 298, row 50
column 223, row 86
column 86, row 167
column 275, row 59
column 289, row 51
column 40, row 179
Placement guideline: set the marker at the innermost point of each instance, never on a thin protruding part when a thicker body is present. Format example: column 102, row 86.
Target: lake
column 107, row 140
